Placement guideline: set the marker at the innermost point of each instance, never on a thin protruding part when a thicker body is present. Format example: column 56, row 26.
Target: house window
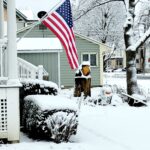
column 149, row 60
column 91, row 57
column 42, row 27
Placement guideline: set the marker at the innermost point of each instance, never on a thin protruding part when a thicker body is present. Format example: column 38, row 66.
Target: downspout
column 101, row 64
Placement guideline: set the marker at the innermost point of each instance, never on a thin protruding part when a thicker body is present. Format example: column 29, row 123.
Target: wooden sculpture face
column 85, row 70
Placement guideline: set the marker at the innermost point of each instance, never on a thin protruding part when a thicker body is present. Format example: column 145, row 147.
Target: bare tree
column 87, row 6
column 103, row 23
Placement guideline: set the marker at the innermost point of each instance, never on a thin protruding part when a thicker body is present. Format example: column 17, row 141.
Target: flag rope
column 26, row 33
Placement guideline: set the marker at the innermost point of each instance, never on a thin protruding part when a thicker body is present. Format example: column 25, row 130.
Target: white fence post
column 40, row 72
column 28, row 70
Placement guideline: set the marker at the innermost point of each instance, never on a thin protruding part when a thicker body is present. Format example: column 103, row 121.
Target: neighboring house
column 88, row 50
column 147, row 57
column 143, row 54
column 20, row 18
column 116, row 60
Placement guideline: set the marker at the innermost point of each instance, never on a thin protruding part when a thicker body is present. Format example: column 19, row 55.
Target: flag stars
column 65, row 12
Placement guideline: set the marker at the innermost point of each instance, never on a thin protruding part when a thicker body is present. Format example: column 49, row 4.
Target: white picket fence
column 28, row 70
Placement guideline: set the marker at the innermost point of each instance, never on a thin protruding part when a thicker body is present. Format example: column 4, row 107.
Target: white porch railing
column 28, row 70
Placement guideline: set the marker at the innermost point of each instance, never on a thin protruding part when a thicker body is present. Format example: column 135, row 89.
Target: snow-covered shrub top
column 49, row 102
column 42, row 83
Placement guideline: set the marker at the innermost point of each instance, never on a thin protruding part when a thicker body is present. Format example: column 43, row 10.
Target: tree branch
column 110, row 54
column 84, row 12
column 140, row 42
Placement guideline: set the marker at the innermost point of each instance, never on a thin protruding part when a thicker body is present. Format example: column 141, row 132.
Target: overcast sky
column 35, row 5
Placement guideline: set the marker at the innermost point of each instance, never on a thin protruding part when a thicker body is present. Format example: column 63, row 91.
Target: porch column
column 12, row 47
column 1, row 20
column 13, row 81
column 1, row 36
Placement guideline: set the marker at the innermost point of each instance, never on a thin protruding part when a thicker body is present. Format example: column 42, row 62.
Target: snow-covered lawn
column 105, row 128
column 100, row 128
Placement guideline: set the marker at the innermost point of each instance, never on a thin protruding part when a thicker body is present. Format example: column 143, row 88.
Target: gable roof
column 18, row 13
column 39, row 45
column 76, row 34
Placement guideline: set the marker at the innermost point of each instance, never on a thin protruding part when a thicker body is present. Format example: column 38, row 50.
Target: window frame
column 89, row 56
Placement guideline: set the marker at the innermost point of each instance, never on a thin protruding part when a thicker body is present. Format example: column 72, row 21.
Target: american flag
column 61, row 24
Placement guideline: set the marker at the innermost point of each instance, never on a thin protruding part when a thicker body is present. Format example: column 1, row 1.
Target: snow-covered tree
column 132, row 46
column 101, row 20
column 132, row 43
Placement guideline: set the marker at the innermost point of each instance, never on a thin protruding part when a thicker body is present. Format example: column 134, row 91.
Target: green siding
column 67, row 75
column 49, row 60
column 85, row 46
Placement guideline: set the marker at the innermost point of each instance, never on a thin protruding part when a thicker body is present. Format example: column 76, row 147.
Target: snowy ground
column 101, row 128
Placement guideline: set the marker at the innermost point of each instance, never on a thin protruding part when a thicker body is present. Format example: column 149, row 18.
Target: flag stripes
column 60, row 23
column 59, row 27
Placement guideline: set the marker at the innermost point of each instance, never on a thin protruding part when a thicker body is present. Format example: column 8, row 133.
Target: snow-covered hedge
column 32, row 87
column 36, row 87
column 49, row 117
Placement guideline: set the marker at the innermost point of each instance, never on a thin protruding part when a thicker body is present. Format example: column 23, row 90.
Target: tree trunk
column 132, row 87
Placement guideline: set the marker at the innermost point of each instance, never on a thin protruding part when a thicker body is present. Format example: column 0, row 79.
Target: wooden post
column 40, row 72
column 83, row 81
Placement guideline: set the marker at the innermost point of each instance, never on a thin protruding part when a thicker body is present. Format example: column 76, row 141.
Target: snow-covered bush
column 32, row 87
column 106, row 95
column 36, row 87
column 49, row 117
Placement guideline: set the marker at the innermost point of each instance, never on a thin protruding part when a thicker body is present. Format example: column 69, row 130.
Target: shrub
column 49, row 117
column 32, row 87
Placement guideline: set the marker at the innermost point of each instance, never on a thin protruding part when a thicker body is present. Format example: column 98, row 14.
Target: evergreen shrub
column 49, row 117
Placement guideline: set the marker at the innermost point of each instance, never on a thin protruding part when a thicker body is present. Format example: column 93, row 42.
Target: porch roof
column 39, row 45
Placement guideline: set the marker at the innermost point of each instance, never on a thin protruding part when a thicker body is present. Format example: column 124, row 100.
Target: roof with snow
column 39, row 45
column 76, row 34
